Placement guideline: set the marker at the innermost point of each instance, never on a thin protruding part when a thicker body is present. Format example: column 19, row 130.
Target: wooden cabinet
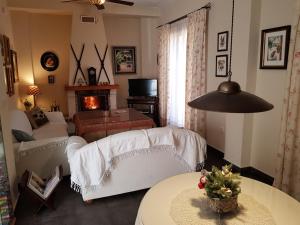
column 147, row 105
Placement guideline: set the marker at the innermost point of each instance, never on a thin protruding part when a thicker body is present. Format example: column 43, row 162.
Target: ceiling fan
column 100, row 3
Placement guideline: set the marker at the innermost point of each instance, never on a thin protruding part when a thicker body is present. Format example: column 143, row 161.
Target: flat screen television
column 142, row 87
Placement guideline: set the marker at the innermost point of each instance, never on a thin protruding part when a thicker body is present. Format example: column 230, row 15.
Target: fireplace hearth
column 92, row 100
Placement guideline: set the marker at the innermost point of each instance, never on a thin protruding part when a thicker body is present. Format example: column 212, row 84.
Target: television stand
column 150, row 106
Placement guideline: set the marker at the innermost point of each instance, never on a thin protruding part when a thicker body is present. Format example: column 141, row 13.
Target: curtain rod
column 207, row 6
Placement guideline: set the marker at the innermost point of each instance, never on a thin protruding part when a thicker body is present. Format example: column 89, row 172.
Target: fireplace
column 92, row 100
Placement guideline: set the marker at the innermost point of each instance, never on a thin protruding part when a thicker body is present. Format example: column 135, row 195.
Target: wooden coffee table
column 111, row 122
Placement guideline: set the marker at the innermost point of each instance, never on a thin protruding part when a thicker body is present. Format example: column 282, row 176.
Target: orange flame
column 91, row 102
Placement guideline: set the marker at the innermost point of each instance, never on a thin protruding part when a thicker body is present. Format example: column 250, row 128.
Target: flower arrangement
column 221, row 186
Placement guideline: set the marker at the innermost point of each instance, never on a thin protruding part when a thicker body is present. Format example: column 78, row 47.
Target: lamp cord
column 231, row 37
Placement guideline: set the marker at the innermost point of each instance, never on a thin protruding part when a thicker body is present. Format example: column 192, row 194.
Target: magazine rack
column 48, row 202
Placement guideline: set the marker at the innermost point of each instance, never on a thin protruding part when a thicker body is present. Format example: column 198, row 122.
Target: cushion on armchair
column 37, row 117
column 22, row 136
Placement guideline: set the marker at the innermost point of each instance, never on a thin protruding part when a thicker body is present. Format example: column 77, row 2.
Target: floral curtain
column 287, row 173
column 196, row 69
column 163, row 70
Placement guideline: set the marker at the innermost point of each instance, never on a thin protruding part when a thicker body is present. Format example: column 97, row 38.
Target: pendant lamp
column 229, row 97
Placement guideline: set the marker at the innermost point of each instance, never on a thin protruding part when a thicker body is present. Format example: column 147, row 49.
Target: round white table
column 155, row 206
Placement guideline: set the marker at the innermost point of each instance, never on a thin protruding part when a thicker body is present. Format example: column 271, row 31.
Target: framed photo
column 223, row 41
column 221, row 65
column 5, row 50
column 9, row 81
column 275, row 48
column 124, row 60
column 51, row 79
column 49, row 61
column 7, row 63
column 14, row 62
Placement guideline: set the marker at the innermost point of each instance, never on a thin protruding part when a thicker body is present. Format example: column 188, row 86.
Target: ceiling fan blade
column 121, row 2
column 100, row 7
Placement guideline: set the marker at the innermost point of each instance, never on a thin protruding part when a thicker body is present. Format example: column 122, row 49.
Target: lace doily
column 190, row 207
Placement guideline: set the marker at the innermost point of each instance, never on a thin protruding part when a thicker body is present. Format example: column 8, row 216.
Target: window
column 177, row 74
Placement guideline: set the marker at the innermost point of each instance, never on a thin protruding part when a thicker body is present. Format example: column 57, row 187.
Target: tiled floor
column 117, row 210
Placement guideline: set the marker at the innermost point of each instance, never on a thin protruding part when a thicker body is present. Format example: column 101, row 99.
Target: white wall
column 271, row 85
column 89, row 34
column 251, row 139
column 7, row 103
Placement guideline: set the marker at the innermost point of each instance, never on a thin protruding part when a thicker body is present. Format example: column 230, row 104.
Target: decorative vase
column 223, row 205
column 27, row 108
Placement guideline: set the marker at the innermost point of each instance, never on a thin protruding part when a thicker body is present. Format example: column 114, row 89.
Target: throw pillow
column 22, row 136
column 37, row 117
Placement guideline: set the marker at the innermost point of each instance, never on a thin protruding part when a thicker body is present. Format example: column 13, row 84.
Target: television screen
column 142, row 87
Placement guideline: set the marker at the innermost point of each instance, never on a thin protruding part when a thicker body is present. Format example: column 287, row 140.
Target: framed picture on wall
column 14, row 62
column 223, row 41
column 9, row 81
column 221, row 65
column 51, row 79
column 275, row 48
column 5, row 50
column 124, row 60
column 7, row 63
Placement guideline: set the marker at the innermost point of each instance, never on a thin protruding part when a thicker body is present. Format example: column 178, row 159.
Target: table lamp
column 33, row 90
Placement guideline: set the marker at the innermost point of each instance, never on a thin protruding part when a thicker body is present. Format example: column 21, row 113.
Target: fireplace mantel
column 91, row 88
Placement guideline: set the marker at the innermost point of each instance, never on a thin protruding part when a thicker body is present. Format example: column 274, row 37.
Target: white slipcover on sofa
column 47, row 150
column 132, row 160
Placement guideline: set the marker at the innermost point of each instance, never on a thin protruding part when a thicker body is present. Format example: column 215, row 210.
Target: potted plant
column 27, row 104
column 222, row 188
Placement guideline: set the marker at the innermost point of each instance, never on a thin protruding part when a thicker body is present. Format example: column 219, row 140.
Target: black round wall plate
column 49, row 61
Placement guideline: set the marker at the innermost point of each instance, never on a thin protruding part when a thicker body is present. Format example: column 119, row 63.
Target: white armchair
column 47, row 150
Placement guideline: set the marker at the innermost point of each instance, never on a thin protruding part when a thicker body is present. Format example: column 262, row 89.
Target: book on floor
column 44, row 188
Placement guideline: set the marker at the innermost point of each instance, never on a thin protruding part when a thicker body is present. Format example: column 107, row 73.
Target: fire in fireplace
column 91, row 102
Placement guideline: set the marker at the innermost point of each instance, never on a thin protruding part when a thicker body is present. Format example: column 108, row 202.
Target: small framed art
column 51, row 79
column 275, row 48
column 124, row 61
column 14, row 61
column 223, row 41
column 221, row 65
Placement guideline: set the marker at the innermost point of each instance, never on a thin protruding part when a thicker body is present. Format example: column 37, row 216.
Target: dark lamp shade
column 229, row 98
column 33, row 90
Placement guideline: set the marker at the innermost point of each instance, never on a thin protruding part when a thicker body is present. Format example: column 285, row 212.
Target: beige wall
column 7, row 104
column 252, row 139
column 124, row 31
column 133, row 31
column 35, row 34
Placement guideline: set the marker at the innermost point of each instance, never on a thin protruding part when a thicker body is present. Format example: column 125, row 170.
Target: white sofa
column 132, row 160
column 47, row 150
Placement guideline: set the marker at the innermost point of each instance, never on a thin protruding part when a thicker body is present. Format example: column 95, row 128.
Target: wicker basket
column 223, row 205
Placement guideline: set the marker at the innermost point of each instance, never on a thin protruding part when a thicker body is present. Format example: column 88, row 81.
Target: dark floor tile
column 71, row 210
